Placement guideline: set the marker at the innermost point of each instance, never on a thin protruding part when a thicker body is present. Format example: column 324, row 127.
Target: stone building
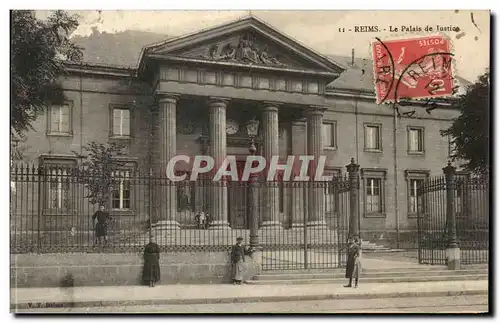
column 196, row 94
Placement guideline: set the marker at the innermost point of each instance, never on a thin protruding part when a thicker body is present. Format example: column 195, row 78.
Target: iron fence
column 51, row 212
column 470, row 205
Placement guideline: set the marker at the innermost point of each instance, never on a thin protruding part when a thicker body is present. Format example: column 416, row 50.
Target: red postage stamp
column 415, row 68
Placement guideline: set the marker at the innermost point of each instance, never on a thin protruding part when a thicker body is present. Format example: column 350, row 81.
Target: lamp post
column 253, row 188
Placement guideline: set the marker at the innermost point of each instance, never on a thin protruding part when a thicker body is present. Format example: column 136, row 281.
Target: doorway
column 237, row 200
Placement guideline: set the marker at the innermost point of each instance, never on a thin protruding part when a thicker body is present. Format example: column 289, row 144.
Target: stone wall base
column 48, row 270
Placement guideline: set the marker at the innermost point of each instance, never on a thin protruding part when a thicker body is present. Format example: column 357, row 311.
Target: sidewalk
column 211, row 294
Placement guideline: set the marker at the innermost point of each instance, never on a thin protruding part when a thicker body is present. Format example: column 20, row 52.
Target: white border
column 162, row 4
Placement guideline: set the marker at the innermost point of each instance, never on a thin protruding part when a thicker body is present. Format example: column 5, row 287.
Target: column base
column 298, row 225
column 271, row 224
column 219, row 225
column 317, row 225
column 453, row 258
column 167, row 225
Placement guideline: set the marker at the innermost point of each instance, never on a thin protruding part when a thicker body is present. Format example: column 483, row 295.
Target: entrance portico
column 245, row 69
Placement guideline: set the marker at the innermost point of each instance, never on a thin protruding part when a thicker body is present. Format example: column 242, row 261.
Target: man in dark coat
column 238, row 253
column 101, row 226
column 151, row 270
column 353, row 267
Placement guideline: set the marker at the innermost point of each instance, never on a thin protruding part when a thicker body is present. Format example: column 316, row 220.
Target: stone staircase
column 371, row 275
column 368, row 246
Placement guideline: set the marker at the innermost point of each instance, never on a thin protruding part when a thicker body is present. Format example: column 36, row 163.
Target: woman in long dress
column 151, row 270
column 238, row 253
column 353, row 267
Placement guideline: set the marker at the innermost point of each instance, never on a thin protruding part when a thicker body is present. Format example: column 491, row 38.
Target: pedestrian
column 151, row 270
column 353, row 267
column 238, row 253
column 101, row 220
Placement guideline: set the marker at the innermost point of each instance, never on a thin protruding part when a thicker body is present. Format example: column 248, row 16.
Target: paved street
column 459, row 304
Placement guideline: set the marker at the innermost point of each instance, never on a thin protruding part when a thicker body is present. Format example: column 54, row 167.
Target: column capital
column 167, row 97
column 218, row 101
column 270, row 105
column 316, row 110
column 300, row 121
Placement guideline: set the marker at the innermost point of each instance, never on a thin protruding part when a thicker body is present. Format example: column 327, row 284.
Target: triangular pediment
column 247, row 41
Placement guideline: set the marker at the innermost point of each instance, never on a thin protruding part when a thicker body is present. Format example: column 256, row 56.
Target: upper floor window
column 415, row 140
column 330, row 134
column 373, row 138
column 59, row 119
column 121, row 122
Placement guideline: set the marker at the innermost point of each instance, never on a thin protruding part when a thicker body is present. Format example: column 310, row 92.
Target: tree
column 97, row 169
column 469, row 132
column 39, row 51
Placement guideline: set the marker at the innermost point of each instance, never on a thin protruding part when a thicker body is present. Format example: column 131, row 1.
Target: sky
column 318, row 30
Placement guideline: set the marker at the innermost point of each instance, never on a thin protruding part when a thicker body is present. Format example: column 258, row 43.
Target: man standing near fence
column 101, row 220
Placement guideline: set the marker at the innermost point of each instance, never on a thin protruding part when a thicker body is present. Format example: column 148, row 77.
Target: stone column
column 270, row 148
column 299, row 147
column 316, row 207
column 218, row 151
column 452, row 250
column 167, row 149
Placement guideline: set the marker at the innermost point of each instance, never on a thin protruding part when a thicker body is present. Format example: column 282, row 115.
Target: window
column 331, row 190
column 416, row 200
column 415, row 140
column 372, row 137
column 121, row 122
column 373, row 195
column 452, row 149
column 374, row 191
column 59, row 119
column 120, row 197
column 329, row 135
column 58, row 197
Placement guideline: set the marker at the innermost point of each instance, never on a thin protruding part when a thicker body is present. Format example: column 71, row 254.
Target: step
column 393, row 273
column 371, row 280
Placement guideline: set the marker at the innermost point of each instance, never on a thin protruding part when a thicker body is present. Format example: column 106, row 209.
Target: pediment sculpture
column 246, row 51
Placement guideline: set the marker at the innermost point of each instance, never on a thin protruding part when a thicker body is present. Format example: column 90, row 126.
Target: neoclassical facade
column 197, row 94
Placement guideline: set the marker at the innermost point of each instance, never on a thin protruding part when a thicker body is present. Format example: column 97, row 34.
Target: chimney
column 352, row 58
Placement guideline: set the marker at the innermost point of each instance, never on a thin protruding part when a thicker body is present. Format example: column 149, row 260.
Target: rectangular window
column 415, row 201
column 59, row 197
column 329, row 135
column 59, row 118
column 372, row 137
column 415, row 140
column 121, row 122
column 120, row 197
column 451, row 146
column 373, row 195
column 331, row 190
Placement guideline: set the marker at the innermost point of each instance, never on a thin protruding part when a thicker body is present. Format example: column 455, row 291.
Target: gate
column 315, row 232
column 469, row 206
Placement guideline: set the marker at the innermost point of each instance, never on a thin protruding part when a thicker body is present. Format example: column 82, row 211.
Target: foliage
column 97, row 170
column 470, row 131
column 39, row 50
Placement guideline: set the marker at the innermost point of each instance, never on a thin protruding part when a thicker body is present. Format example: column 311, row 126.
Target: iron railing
column 471, row 210
column 51, row 212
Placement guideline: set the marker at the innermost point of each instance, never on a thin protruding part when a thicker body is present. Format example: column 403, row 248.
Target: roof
column 122, row 50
